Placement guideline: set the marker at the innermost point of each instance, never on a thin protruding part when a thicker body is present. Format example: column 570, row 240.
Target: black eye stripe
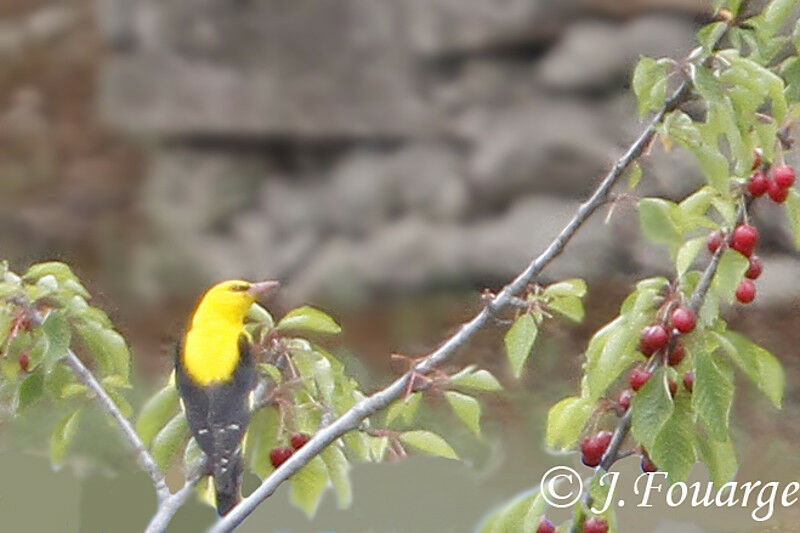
column 239, row 287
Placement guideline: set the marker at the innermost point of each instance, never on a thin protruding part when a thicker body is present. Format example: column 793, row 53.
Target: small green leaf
column 652, row 407
column 760, row 366
column 634, row 175
column 650, row 84
column 308, row 319
column 56, row 331
column 308, row 485
column 672, row 449
column 569, row 287
column 62, row 437
column 480, row 380
column 262, row 436
column 107, row 346
column 31, row 389
column 687, row 254
column 565, row 422
column 730, row 272
column 57, row 269
column 404, row 409
column 428, row 443
column 467, row 409
column 712, row 395
column 339, row 471
column 258, row 314
column 655, row 218
column 170, row 440
column 569, row 306
column 157, row 411
column 519, row 342
column 522, row 514
column 793, row 211
column 720, row 459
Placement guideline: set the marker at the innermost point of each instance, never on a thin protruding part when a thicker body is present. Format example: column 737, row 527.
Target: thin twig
column 145, row 460
column 380, row 400
column 169, row 506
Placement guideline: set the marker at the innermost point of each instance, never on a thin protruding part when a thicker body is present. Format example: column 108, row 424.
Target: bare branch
column 380, row 400
column 145, row 460
column 169, row 506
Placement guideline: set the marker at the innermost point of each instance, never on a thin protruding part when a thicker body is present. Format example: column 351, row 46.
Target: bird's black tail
column 227, row 480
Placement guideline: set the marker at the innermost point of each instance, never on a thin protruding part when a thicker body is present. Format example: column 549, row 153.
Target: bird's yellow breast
column 211, row 352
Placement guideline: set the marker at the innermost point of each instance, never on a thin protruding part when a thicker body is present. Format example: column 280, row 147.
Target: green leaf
column 655, row 218
column 760, row 366
column 712, row 395
column 522, row 514
column 519, row 342
column 650, row 84
column 428, row 443
column 62, row 437
column 710, row 34
column 687, row 253
column 565, row 422
column 404, row 409
column 308, row 485
column 719, row 458
column 157, row 411
column 775, row 15
column 467, row 409
column 262, row 437
column 730, row 272
column 570, row 287
column 698, row 202
column 170, row 440
column 258, row 314
column 339, row 472
column 652, row 407
column 793, row 211
column 56, row 331
column 569, row 306
column 31, row 389
column 480, row 380
column 107, row 346
column 308, row 319
column 673, row 449
column 193, row 456
column 57, row 269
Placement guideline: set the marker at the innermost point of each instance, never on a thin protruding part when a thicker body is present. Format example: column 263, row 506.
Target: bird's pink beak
column 263, row 288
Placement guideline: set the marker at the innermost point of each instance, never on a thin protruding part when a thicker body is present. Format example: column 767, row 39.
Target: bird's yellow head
column 230, row 300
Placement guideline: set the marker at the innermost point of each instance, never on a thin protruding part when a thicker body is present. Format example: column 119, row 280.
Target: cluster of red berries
column 281, row 454
column 775, row 186
column 744, row 240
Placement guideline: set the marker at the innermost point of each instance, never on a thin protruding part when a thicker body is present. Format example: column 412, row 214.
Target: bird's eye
column 239, row 287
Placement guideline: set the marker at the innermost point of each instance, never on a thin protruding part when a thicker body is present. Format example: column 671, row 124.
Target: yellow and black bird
column 215, row 375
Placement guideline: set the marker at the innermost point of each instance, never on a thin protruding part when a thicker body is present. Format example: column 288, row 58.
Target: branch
column 170, row 505
column 612, row 454
column 380, row 400
column 145, row 460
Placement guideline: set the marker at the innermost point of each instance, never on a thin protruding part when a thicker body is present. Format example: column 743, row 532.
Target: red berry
column 746, row 291
column 756, row 267
column 684, row 319
column 653, row 339
column 595, row 525
column 758, row 184
column 594, row 447
column 688, row 380
column 758, row 158
column 278, row 456
column 745, row 239
column 777, row 193
column 299, row 440
column 715, row 240
column 546, row 526
column 673, row 388
column 624, row 399
column 24, row 361
column 677, row 355
column 638, row 377
column 783, row 176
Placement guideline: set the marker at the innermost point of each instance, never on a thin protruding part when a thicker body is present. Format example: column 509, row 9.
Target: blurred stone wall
column 351, row 145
